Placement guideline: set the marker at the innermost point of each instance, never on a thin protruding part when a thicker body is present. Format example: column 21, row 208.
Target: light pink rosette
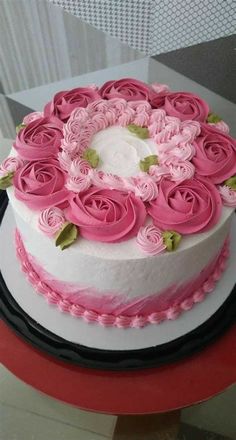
column 182, row 105
column 228, row 196
column 51, row 220
column 108, row 180
column 129, row 89
column 40, row 139
column 180, row 170
column 65, row 102
column 79, row 166
column 215, row 155
column 140, row 106
column 160, row 88
column 221, row 126
column 187, row 207
column 158, row 171
column 183, row 152
column 190, row 130
column 150, row 240
column 65, row 160
column 106, row 215
column 80, row 176
column 40, row 185
column 78, row 183
column 141, row 119
column 32, row 117
column 10, row 165
column 145, row 187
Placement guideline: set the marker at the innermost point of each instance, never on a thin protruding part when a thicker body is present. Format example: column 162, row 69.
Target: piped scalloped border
column 122, row 321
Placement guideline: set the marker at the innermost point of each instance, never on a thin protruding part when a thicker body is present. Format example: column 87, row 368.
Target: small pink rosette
column 40, row 185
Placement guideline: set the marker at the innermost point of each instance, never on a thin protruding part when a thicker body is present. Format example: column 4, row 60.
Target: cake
column 123, row 197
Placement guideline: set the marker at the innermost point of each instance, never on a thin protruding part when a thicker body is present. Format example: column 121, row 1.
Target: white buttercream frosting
column 120, row 151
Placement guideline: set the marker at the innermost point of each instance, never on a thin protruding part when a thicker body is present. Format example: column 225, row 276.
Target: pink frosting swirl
column 129, row 89
column 79, row 166
column 221, row 125
column 150, row 240
column 40, row 185
column 32, row 117
column 51, row 220
column 80, row 175
column 183, row 152
column 78, row 183
column 106, row 215
column 65, row 160
column 160, row 88
column 180, row 170
column 187, row 207
column 145, row 187
column 228, row 196
column 10, row 165
column 215, row 155
column 65, row 102
column 40, row 139
column 183, row 105
column 158, row 171
column 107, row 180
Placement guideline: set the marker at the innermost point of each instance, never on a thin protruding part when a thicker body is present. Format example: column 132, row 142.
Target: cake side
column 128, row 276
column 108, row 310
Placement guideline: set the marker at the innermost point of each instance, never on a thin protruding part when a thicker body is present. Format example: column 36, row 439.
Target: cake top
column 121, row 161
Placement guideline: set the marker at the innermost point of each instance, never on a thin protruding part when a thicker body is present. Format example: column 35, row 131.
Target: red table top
column 139, row 392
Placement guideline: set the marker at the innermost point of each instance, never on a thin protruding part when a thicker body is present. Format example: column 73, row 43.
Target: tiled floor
column 26, row 414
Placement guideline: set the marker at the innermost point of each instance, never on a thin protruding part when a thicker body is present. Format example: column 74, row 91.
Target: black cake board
column 154, row 356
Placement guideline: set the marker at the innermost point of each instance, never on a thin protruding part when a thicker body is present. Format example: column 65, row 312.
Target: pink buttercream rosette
column 228, row 196
column 150, row 240
column 106, row 215
column 51, row 220
column 215, row 155
column 39, row 139
column 10, row 165
column 41, row 185
column 188, row 207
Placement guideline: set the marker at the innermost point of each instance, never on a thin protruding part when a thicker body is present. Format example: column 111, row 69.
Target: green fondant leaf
column 231, row 182
column 92, row 157
column 66, row 236
column 141, row 132
column 213, row 118
column 145, row 164
column 19, row 127
column 6, row 181
column 171, row 240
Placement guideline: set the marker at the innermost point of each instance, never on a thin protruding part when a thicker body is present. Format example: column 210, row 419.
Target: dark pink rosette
column 129, row 89
column 40, row 185
column 215, row 154
column 40, row 139
column 182, row 105
column 65, row 102
column 188, row 207
column 106, row 215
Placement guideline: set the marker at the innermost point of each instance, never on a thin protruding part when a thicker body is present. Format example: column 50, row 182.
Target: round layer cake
column 123, row 198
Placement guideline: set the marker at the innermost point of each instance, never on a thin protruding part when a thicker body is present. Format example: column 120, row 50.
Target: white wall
column 41, row 43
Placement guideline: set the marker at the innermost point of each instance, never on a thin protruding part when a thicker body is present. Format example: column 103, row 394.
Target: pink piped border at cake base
column 122, row 320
